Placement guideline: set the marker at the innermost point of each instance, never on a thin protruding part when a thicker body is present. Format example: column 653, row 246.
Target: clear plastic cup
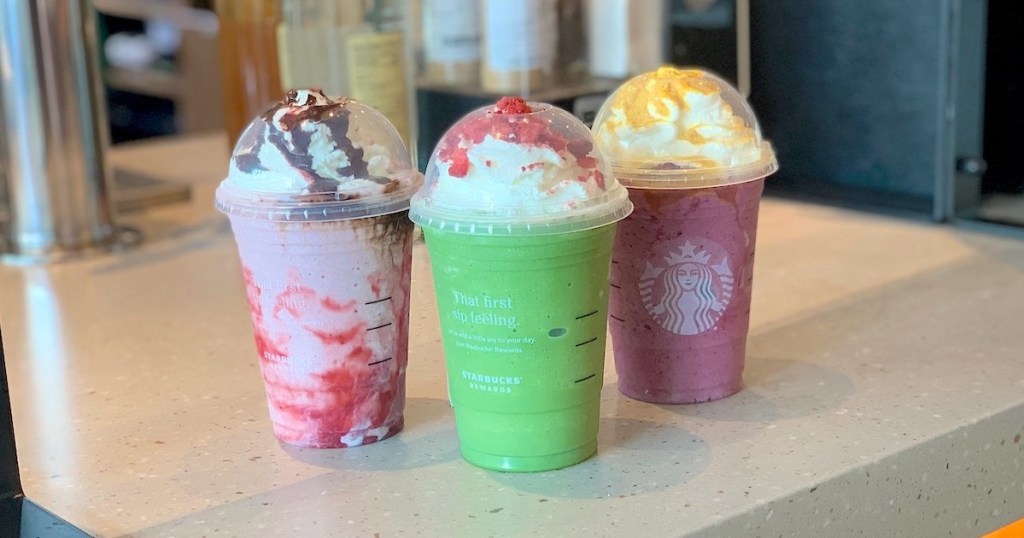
column 327, row 275
column 689, row 149
column 519, row 212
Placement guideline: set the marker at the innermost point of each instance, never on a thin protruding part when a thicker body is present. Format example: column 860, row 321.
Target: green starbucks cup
column 519, row 212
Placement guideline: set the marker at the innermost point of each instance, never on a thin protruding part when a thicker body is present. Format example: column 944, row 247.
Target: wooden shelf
column 151, row 82
column 195, row 74
column 176, row 11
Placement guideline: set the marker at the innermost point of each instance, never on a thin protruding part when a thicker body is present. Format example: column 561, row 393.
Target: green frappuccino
column 519, row 216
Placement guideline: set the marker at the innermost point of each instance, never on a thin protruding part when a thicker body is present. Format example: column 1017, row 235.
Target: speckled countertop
column 884, row 395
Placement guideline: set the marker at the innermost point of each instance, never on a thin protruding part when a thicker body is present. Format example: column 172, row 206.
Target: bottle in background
column 451, row 41
column 248, row 52
column 627, row 38
column 353, row 48
column 519, row 44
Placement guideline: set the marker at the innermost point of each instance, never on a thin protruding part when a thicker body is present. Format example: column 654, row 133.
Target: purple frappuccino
column 688, row 148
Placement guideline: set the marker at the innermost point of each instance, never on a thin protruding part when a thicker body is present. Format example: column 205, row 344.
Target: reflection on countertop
column 884, row 390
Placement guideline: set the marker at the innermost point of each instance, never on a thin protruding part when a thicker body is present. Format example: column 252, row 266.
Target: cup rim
column 280, row 207
column 635, row 177
column 451, row 220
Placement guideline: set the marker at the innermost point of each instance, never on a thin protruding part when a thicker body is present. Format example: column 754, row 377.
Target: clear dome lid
column 311, row 157
column 518, row 168
column 681, row 128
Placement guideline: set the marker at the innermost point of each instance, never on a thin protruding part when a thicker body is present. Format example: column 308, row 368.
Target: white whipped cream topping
column 279, row 176
column 516, row 179
column 303, row 96
column 706, row 133
column 378, row 160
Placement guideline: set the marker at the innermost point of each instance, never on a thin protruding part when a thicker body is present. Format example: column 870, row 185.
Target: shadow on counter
column 775, row 389
column 681, row 456
column 428, row 438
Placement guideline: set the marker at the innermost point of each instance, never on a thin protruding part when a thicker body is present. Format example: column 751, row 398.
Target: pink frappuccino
column 318, row 198
column 688, row 148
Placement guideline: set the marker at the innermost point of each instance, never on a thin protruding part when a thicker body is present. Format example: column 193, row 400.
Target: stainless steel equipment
column 54, row 133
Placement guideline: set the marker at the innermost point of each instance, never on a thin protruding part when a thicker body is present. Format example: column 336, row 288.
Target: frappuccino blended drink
column 318, row 194
column 519, row 211
column 689, row 149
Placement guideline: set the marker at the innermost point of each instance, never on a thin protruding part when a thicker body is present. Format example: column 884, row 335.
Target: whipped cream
column 518, row 169
column 676, row 116
column 517, row 179
column 512, row 160
column 308, row 144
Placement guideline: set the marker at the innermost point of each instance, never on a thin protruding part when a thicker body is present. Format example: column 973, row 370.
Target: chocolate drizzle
column 247, row 152
column 283, row 127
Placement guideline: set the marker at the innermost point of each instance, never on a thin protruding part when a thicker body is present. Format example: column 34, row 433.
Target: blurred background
column 908, row 106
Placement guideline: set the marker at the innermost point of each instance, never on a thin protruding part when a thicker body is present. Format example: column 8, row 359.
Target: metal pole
column 55, row 131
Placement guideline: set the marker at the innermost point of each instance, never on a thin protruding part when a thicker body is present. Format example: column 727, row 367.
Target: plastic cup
column 522, row 297
column 330, row 309
column 327, row 279
column 525, row 347
column 682, row 277
column 682, row 270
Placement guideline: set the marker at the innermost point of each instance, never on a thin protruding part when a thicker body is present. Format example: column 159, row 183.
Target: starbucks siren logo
column 688, row 293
